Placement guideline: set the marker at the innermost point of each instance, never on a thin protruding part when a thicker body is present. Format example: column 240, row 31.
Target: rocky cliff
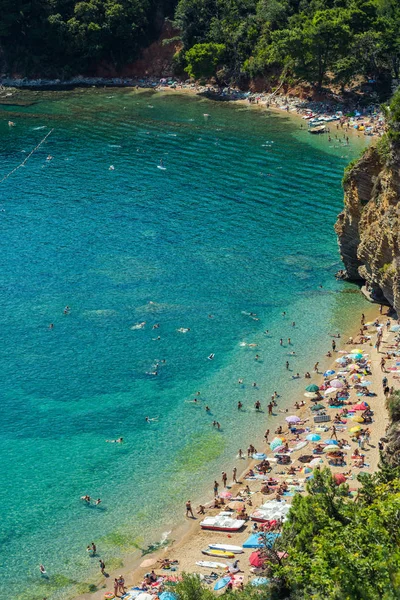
column 368, row 228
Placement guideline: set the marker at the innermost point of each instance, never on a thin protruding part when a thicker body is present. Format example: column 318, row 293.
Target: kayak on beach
column 219, row 553
column 227, row 548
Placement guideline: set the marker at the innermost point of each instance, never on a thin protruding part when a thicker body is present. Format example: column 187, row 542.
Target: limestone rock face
column 368, row 229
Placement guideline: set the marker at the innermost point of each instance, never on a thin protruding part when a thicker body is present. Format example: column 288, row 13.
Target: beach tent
column 256, row 560
column 312, row 388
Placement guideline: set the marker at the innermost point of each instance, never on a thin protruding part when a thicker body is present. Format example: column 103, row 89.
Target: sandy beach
column 191, row 539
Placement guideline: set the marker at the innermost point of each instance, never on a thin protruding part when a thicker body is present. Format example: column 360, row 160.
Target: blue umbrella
column 329, row 373
column 313, row 437
column 260, row 581
column 221, row 583
column 167, row 596
column 328, row 442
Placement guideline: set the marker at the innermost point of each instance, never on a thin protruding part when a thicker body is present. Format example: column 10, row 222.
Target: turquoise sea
column 240, row 221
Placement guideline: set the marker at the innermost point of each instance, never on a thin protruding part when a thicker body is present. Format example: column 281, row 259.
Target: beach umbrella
column 357, row 419
column 330, row 391
column 329, row 373
column 276, row 442
column 312, row 388
column 352, row 367
column 317, row 407
column 236, row 505
column 355, row 429
column 256, row 560
column 225, row 494
column 167, row 596
column 306, row 470
column 356, row 351
column 336, row 383
column 313, row 437
column 258, row 581
column 361, row 406
column 331, row 442
column 316, row 461
column 395, row 328
column 331, row 448
column 293, row 419
column 259, row 456
column 357, row 356
column 221, row 583
column 339, row 478
column 341, row 360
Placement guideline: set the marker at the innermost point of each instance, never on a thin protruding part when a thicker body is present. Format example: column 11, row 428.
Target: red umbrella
column 362, row 406
column 256, row 560
column 339, row 478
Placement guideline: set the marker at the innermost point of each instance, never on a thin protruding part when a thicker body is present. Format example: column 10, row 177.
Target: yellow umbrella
column 357, row 419
column 355, row 429
column 356, row 351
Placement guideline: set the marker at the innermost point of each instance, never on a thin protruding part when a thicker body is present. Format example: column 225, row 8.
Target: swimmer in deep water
column 148, row 420
column 118, row 441
column 211, row 356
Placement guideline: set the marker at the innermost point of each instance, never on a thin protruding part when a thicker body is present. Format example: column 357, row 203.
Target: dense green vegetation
column 67, row 37
column 311, row 40
column 338, row 548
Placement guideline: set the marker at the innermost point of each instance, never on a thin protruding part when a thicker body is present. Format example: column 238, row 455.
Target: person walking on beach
column 266, row 435
column 383, row 362
column 257, row 405
column 94, row 549
column 234, row 475
column 270, row 407
column 334, row 433
column 333, row 345
column 216, row 486
column 189, row 511
column 316, row 367
column 121, row 585
column 116, row 588
column 287, row 364
column 102, row 566
column 224, row 478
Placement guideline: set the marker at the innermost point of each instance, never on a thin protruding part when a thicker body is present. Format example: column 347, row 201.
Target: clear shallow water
column 240, row 221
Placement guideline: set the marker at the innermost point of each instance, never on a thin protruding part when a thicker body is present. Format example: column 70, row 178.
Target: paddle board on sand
column 211, row 565
column 218, row 553
column 226, row 548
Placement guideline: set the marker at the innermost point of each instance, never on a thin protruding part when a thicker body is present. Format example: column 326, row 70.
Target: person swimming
column 118, row 441
column 211, row 356
column 151, row 420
